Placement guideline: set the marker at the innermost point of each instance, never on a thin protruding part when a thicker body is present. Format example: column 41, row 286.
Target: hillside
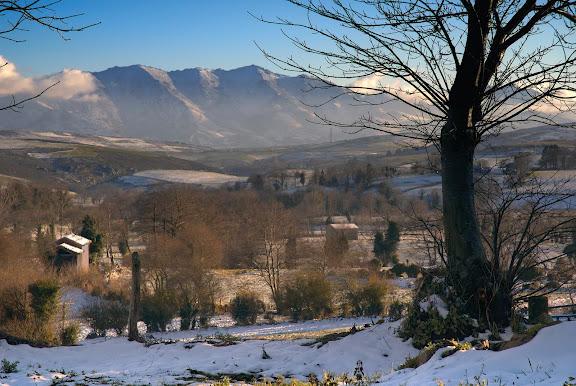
column 244, row 107
column 82, row 162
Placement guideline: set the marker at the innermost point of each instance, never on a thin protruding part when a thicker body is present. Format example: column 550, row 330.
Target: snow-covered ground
column 148, row 177
column 417, row 182
column 116, row 359
column 549, row 359
column 224, row 325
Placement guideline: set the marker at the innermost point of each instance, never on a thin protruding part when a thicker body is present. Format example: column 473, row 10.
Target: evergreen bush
column 159, row 309
column 245, row 308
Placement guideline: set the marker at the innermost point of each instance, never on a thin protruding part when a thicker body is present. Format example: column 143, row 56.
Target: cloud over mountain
column 247, row 106
column 70, row 83
column 244, row 107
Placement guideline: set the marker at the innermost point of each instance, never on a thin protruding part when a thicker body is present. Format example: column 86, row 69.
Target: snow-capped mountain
column 244, row 107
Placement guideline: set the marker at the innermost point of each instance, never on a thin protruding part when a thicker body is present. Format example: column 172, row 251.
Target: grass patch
column 331, row 337
column 423, row 356
column 430, row 349
column 223, row 378
column 315, row 335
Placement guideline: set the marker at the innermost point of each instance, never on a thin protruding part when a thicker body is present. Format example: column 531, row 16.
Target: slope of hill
column 79, row 162
column 245, row 107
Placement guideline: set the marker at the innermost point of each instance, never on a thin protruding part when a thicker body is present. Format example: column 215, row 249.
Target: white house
column 349, row 231
column 74, row 250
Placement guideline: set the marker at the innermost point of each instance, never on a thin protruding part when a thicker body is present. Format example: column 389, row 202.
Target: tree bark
column 135, row 299
column 463, row 242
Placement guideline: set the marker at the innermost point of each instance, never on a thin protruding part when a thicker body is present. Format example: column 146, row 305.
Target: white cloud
column 368, row 84
column 371, row 84
column 11, row 81
column 71, row 83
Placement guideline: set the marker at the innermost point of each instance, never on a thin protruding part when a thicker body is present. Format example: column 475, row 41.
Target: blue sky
column 169, row 34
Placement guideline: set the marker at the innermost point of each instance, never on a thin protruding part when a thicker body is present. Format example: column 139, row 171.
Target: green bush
column 245, row 308
column 187, row 312
column 537, row 308
column 517, row 323
column 104, row 315
column 123, row 247
column 429, row 326
column 44, row 301
column 410, row 270
column 9, row 367
column 69, row 334
column 396, row 310
column 158, row 310
column 307, row 297
column 367, row 300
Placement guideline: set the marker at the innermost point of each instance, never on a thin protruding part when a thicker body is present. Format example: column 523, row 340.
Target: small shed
column 338, row 220
column 349, row 231
column 73, row 250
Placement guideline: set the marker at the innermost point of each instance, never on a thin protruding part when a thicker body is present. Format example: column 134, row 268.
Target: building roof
column 70, row 248
column 343, row 226
column 339, row 220
column 75, row 239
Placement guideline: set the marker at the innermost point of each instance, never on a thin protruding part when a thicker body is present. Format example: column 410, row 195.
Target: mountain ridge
column 242, row 107
column 245, row 107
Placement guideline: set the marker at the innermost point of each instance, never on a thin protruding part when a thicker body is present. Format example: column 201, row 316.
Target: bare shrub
column 104, row 315
column 367, row 299
column 308, row 296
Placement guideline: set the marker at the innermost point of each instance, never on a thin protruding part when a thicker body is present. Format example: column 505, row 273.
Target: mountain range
column 244, row 107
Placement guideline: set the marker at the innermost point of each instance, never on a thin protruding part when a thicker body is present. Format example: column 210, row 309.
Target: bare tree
column 276, row 226
column 18, row 15
column 457, row 71
column 519, row 220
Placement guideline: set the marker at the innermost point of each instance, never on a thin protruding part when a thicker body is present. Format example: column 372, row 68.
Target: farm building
column 350, row 231
column 73, row 250
column 338, row 220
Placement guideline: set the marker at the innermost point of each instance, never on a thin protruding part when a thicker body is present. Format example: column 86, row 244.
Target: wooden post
column 135, row 299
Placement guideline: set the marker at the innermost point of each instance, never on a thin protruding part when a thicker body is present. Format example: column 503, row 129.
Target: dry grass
column 520, row 339
column 317, row 336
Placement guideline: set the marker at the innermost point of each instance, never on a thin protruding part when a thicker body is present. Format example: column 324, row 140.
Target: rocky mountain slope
column 245, row 107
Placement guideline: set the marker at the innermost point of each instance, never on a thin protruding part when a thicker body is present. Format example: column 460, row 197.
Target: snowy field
column 549, row 359
column 117, row 360
column 414, row 184
column 150, row 177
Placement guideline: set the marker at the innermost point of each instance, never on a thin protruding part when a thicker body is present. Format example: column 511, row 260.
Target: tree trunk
column 135, row 299
column 463, row 243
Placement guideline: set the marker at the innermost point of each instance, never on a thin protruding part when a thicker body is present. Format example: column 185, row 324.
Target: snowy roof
column 343, row 226
column 76, row 239
column 339, row 220
column 70, row 248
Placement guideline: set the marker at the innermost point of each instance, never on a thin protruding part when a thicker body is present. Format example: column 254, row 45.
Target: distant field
column 147, row 177
column 416, row 183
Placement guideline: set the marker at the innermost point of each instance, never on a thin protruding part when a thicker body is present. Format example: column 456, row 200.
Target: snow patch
column 434, row 302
